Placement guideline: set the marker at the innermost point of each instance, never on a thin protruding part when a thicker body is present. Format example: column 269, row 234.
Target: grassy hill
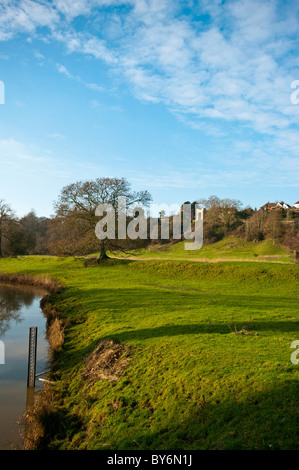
column 195, row 355
column 230, row 248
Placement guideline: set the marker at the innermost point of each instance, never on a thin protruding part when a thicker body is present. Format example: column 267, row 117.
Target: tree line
column 71, row 230
column 27, row 235
column 225, row 217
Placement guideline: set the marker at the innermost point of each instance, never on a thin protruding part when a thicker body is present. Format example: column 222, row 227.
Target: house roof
column 272, row 205
column 269, row 204
column 282, row 203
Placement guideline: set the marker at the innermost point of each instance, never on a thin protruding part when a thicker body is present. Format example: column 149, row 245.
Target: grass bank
column 171, row 355
column 229, row 249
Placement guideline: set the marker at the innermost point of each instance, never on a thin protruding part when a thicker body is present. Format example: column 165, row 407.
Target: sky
column 186, row 99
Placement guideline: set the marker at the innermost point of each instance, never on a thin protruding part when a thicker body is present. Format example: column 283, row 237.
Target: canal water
column 19, row 309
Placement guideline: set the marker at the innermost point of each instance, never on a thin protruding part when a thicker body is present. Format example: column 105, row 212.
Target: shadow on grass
column 261, row 420
column 147, row 296
column 203, row 328
column 117, row 307
column 258, row 421
column 73, row 357
column 107, row 262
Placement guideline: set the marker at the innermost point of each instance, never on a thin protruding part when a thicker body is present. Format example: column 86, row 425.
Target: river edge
column 36, row 415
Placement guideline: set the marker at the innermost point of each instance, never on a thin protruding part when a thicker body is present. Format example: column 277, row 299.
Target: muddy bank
column 46, row 282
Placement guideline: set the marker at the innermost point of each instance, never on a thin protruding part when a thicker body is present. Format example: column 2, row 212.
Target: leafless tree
column 6, row 215
column 75, row 213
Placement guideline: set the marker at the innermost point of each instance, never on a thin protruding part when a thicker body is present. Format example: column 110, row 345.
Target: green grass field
column 209, row 366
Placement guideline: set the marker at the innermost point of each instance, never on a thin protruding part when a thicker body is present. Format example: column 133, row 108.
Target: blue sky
column 183, row 98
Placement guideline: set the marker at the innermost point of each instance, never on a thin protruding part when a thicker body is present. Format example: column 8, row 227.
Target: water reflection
column 10, row 304
column 19, row 309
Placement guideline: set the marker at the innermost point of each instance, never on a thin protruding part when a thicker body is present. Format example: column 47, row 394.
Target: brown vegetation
column 55, row 335
column 107, row 361
column 39, row 418
column 45, row 282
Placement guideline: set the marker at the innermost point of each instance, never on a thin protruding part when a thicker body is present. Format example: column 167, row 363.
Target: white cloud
column 25, row 16
column 92, row 86
column 233, row 69
column 62, row 69
column 73, row 8
column 40, row 57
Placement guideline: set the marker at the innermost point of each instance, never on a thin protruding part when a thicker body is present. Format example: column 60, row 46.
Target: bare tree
column 6, row 215
column 273, row 226
column 255, row 226
column 75, row 212
column 221, row 216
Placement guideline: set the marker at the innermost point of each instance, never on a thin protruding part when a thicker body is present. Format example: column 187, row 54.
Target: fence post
column 32, row 356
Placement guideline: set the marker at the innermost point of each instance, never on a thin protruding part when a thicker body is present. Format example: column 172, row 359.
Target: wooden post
column 296, row 257
column 32, row 356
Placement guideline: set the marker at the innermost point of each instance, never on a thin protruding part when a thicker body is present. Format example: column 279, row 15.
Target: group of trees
column 276, row 225
column 227, row 217
column 222, row 217
column 71, row 231
column 25, row 235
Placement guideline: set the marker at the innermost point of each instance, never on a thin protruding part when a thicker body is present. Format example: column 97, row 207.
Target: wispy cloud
column 236, row 66
column 92, row 86
column 30, row 160
column 62, row 69
column 56, row 135
column 233, row 68
column 227, row 64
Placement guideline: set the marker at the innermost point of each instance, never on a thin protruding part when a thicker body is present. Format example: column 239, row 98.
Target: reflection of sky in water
column 19, row 309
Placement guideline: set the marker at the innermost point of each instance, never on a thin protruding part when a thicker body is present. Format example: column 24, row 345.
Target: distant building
column 296, row 205
column 270, row 206
column 283, row 205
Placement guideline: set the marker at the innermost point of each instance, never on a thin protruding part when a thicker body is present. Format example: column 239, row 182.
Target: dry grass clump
column 55, row 326
column 107, row 361
column 38, row 418
column 45, row 282
column 55, row 335
column 244, row 330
